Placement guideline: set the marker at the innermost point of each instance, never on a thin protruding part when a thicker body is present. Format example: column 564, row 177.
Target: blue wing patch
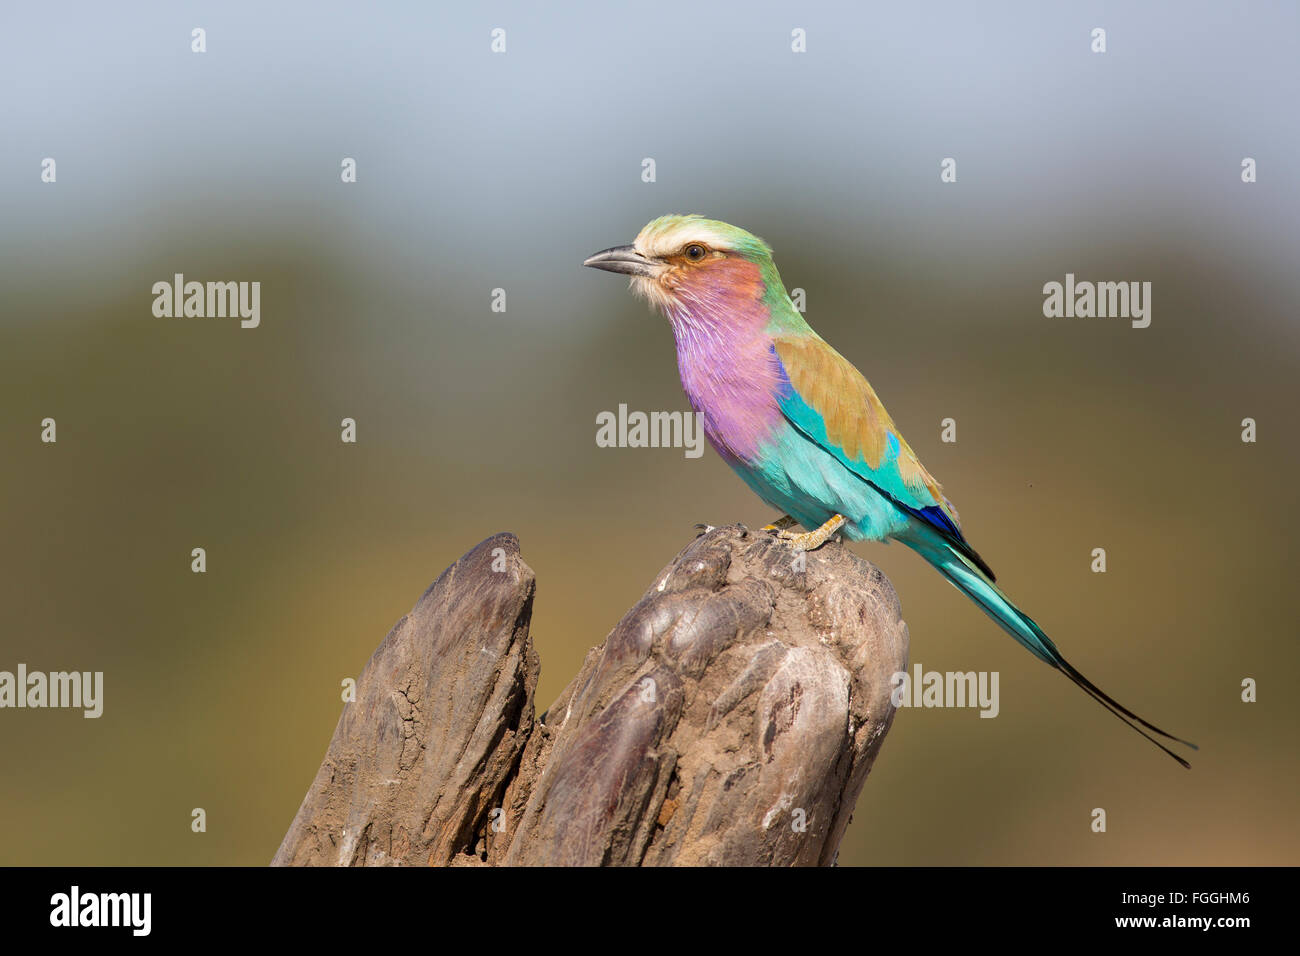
column 935, row 515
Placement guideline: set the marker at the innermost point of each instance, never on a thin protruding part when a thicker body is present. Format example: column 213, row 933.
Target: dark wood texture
column 730, row 718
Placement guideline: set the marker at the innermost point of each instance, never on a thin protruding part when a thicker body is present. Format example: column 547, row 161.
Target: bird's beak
column 624, row 259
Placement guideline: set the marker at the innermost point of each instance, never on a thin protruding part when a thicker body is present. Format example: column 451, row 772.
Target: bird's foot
column 780, row 524
column 812, row 540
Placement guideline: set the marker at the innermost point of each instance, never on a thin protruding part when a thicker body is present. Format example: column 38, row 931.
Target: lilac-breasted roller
column 800, row 424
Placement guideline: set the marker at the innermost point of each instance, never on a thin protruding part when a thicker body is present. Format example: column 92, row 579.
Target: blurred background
column 479, row 171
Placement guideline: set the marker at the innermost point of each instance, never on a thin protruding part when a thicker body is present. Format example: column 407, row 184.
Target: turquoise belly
column 809, row 484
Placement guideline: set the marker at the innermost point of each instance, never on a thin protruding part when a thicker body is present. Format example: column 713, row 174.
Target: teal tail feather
column 971, row 580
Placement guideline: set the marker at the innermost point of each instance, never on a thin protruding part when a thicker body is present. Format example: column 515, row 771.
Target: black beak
column 624, row 259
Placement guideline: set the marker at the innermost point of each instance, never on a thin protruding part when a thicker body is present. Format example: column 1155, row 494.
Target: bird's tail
column 968, row 578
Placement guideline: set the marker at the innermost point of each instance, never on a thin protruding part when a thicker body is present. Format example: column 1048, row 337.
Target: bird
column 800, row 424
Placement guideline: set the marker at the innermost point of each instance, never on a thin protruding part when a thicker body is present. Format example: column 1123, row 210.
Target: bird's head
column 687, row 265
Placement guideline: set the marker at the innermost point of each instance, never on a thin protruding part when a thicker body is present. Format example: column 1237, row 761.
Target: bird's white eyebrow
column 669, row 244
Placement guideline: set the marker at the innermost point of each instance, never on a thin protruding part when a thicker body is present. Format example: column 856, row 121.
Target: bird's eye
column 695, row 252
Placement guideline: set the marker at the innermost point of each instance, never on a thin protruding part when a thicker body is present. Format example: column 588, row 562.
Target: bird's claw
column 779, row 526
column 812, row 540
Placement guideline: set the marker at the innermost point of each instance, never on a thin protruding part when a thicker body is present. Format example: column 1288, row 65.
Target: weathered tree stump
column 730, row 718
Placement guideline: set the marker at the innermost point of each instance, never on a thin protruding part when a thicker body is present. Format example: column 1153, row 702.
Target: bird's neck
column 724, row 354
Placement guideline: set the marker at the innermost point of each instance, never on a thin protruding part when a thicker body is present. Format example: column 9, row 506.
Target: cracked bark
column 730, row 718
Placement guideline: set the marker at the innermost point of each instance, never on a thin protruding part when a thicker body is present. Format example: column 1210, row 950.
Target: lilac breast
column 733, row 378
